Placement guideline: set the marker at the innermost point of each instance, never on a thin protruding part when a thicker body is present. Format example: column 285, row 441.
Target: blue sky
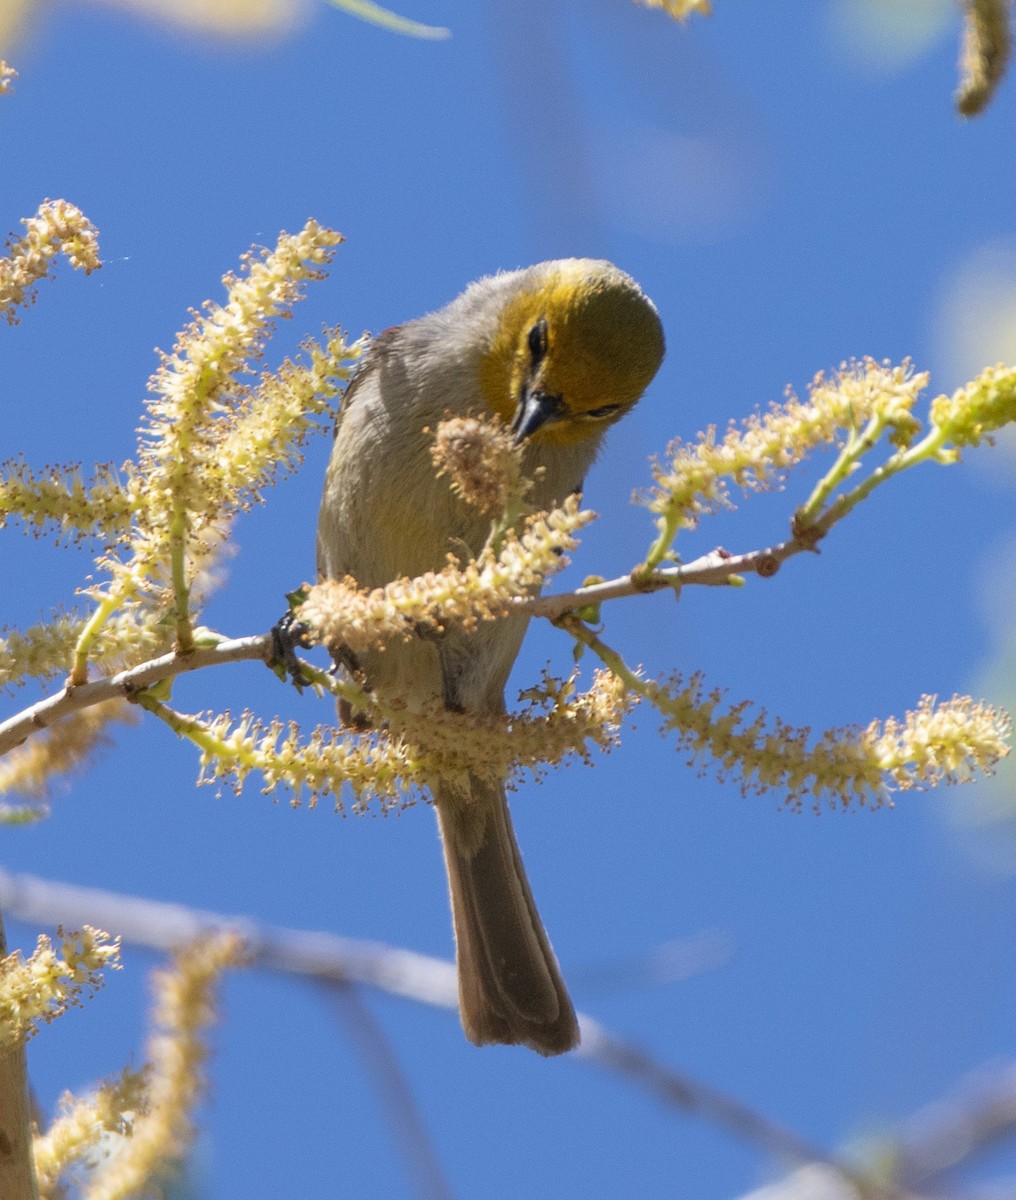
column 789, row 199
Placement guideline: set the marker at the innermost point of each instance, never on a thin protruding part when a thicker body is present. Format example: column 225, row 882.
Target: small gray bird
column 560, row 351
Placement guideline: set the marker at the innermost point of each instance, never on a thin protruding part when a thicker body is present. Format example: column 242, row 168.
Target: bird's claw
column 288, row 634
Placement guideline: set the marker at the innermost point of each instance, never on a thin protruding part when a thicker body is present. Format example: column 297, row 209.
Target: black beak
column 534, row 411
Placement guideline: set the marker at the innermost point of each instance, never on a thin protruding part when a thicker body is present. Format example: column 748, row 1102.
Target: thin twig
column 718, row 568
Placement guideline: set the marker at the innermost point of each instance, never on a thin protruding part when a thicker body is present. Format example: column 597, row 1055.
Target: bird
column 559, row 352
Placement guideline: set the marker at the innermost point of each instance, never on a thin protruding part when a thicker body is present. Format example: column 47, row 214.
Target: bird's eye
column 601, row 414
column 538, row 341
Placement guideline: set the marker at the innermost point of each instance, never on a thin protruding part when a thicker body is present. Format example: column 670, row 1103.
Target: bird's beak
column 534, row 411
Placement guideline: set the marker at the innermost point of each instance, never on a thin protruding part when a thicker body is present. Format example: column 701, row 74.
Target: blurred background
column 791, row 184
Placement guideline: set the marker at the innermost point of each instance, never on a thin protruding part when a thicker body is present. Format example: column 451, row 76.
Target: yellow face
column 582, row 346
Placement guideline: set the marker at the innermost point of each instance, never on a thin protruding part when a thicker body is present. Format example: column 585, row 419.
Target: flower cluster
column 482, row 460
column 174, row 1081
column 974, row 412
column 558, row 723
column 411, row 750
column 58, row 496
column 940, row 742
column 51, row 980
column 57, row 228
column 273, row 424
column 340, row 614
column 44, row 651
column 937, row 743
column 209, row 442
column 84, row 1124
column 756, row 452
column 320, row 764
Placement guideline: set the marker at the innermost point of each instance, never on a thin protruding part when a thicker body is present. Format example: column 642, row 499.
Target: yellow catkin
column 756, row 452
column 53, row 979
column 82, row 1125
column 984, row 54
column 184, row 1008
column 410, row 750
column 57, row 497
column 937, row 743
column 211, row 440
column 57, row 228
column 980, row 408
column 482, row 460
column 45, row 651
column 339, row 613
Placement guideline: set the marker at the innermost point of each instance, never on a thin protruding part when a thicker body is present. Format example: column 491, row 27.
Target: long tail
column 510, row 987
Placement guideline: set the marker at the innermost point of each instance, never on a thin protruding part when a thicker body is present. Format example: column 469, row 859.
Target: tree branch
column 718, row 568
column 330, row 958
column 125, row 684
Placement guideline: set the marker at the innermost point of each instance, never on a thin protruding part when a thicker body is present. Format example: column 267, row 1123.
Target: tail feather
column 510, row 987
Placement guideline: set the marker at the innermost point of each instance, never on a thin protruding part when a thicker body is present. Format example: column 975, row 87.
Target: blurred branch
column 418, row 977
column 954, row 1128
column 919, row 1154
column 726, row 1112
column 397, row 1103
column 669, row 962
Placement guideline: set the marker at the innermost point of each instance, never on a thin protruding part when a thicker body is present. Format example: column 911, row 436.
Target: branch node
column 806, row 533
column 643, row 578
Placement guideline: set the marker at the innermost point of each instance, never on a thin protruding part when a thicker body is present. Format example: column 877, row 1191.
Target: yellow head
column 576, row 344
